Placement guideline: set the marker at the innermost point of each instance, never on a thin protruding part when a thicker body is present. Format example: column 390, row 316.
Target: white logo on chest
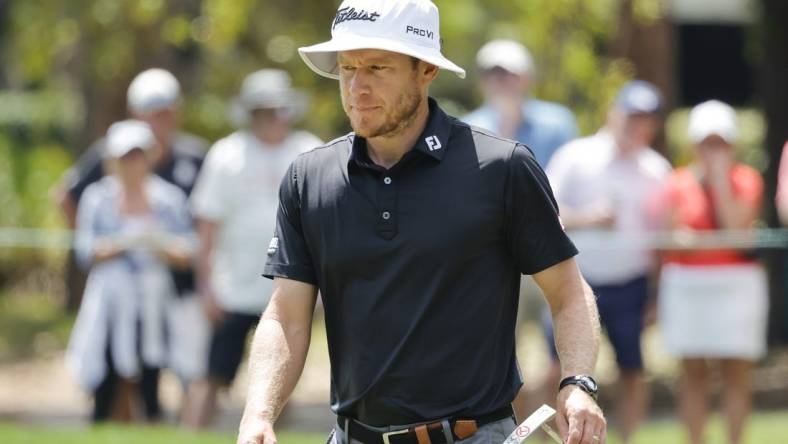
column 433, row 143
column 273, row 246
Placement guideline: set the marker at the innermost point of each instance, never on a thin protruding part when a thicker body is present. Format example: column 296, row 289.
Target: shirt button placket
column 387, row 195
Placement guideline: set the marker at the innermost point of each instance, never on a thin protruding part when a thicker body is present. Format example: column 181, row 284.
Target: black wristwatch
column 585, row 382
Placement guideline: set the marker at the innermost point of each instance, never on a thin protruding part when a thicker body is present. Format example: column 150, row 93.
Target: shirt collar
column 433, row 141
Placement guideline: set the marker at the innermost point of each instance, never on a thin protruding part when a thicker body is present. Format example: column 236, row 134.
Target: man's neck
column 387, row 151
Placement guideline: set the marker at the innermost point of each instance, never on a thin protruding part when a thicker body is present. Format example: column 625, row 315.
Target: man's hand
column 256, row 431
column 579, row 418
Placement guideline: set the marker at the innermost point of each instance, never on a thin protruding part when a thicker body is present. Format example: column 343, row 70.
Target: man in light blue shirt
column 507, row 73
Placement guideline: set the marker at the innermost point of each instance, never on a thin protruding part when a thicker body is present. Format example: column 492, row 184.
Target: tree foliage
column 94, row 47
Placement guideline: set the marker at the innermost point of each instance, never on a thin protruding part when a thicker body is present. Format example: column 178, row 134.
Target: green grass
column 115, row 434
column 765, row 428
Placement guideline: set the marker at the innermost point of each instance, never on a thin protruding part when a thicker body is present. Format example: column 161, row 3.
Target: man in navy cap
column 603, row 183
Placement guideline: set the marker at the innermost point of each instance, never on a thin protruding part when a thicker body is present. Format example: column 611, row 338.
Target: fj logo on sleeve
column 273, row 246
column 433, row 143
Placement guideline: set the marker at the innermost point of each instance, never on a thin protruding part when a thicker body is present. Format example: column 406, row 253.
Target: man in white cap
column 234, row 202
column 507, row 75
column 603, row 183
column 415, row 229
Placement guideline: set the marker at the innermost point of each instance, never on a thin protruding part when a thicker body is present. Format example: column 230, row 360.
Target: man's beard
column 397, row 120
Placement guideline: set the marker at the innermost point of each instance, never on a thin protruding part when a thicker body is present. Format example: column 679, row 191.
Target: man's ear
column 428, row 71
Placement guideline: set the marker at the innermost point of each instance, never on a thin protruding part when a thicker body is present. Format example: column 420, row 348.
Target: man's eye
column 377, row 67
column 347, row 68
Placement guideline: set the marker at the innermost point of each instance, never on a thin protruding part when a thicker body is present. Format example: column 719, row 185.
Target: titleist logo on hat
column 347, row 14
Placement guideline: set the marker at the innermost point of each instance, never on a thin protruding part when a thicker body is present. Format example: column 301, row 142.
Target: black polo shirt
column 419, row 267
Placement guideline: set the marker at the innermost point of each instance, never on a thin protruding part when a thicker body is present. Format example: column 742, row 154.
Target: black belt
column 427, row 433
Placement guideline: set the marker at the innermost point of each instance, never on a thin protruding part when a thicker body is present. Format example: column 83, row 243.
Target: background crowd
column 171, row 227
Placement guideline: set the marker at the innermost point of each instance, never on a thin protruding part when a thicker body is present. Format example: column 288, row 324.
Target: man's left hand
column 579, row 418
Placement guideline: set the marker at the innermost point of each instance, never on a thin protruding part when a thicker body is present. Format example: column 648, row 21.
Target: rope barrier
column 758, row 239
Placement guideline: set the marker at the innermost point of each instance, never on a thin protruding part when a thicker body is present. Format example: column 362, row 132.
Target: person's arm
column 277, row 357
column 597, row 216
column 561, row 173
column 540, row 247
column 206, row 232
column 87, row 170
column 68, row 206
column 576, row 326
column 733, row 212
column 90, row 245
column 782, row 188
column 177, row 253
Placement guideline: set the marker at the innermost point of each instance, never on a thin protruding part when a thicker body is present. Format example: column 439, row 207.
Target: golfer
column 415, row 229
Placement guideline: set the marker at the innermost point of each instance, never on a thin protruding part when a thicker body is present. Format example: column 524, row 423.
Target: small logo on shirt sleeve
column 273, row 246
column 433, row 143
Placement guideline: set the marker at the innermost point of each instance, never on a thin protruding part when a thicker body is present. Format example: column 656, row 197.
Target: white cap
column 507, row 54
column 128, row 135
column 269, row 88
column 713, row 118
column 152, row 90
column 410, row 27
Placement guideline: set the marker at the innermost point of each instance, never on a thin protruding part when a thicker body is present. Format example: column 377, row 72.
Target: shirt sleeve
column 86, row 226
column 288, row 255
column 534, row 230
column 559, row 172
column 210, row 199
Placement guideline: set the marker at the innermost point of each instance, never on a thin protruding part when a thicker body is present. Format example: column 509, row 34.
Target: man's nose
column 359, row 83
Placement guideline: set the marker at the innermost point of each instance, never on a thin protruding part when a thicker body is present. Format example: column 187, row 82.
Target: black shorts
column 228, row 344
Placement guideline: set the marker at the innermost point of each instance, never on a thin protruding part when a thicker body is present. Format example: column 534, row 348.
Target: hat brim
column 322, row 58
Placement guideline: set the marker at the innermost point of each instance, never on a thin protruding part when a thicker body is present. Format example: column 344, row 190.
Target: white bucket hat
column 410, row 27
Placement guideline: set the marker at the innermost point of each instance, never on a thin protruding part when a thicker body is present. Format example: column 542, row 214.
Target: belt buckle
column 396, row 432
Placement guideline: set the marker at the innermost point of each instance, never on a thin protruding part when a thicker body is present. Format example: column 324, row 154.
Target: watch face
column 590, row 383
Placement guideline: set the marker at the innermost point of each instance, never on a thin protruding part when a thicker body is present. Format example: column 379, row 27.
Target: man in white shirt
column 235, row 202
column 604, row 182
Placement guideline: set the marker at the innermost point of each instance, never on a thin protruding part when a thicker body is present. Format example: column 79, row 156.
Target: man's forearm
column 275, row 363
column 576, row 326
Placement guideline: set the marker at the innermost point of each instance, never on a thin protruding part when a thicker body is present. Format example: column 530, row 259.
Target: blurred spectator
column 131, row 226
column 235, row 203
column 713, row 304
column 782, row 187
column 604, row 182
column 507, row 75
column 154, row 97
column 509, row 110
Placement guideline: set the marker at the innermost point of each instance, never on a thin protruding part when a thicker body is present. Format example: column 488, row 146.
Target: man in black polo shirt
column 415, row 228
